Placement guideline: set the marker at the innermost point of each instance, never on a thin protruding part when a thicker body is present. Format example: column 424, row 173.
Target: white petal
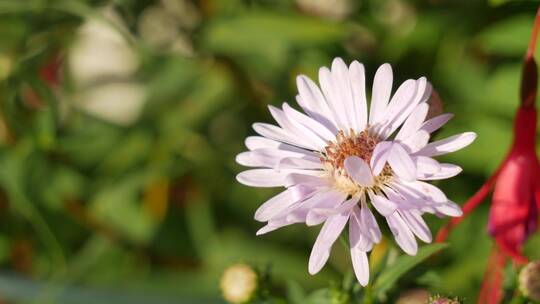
column 380, row 156
column 299, row 163
column 309, row 122
column 270, row 158
column 273, row 206
column 319, row 214
column 368, row 224
column 305, row 179
column 399, row 110
column 312, row 101
column 448, row 145
column 322, row 200
column 278, row 134
column 259, row 142
column 417, row 225
column 383, row 205
column 402, row 234
column 449, row 208
column 360, row 265
column 261, row 178
column 382, row 88
column 336, row 105
column 399, row 103
column 446, row 171
column 413, row 122
column 436, row 122
column 359, row 171
column 401, row 163
column 427, row 191
column 358, row 86
column 416, row 142
column 274, row 225
column 358, row 238
column 297, row 130
column 327, row 236
column 342, row 90
column 426, row 165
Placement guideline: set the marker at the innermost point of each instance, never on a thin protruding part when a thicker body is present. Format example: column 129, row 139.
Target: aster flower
column 337, row 162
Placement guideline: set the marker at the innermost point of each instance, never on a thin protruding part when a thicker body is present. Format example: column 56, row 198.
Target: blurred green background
column 120, row 121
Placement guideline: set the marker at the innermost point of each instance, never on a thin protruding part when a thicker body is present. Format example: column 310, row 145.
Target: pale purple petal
column 416, row 223
column 327, row 236
column 342, row 90
column 273, row 206
column 311, row 99
column 416, row 141
column 413, row 122
column 359, row 171
column 383, row 205
column 382, row 88
column 368, row 224
column 329, row 87
column 436, row 122
column 278, row 134
column 401, row 163
column 358, row 86
column 305, row 179
column 401, row 108
column 299, row 163
column 360, row 265
column 261, row 178
column 448, row 208
column 319, row 214
column 357, row 237
column 380, row 156
column 448, row 145
column 297, row 130
column 308, row 122
column 259, row 142
column 402, row 234
column 446, row 171
column 324, row 199
column 399, row 102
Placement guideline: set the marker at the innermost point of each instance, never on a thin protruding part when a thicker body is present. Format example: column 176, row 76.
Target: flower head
column 336, row 162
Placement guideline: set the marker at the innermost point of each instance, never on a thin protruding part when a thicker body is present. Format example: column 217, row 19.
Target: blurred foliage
column 120, row 120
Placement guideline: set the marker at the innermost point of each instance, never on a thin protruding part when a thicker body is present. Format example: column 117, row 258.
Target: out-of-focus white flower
column 238, row 283
column 103, row 65
column 101, row 51
column 331, row 9
column 119, row 103
column 337, row 162
column 529, row 281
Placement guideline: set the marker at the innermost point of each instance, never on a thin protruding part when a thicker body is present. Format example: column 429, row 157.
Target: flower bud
column 529, row 281
column 238, row 283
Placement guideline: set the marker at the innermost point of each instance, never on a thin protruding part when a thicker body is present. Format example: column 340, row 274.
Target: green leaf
column 402, row 265
column 508, row 37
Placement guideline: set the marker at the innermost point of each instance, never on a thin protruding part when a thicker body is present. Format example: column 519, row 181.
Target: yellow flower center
column 352, row 144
